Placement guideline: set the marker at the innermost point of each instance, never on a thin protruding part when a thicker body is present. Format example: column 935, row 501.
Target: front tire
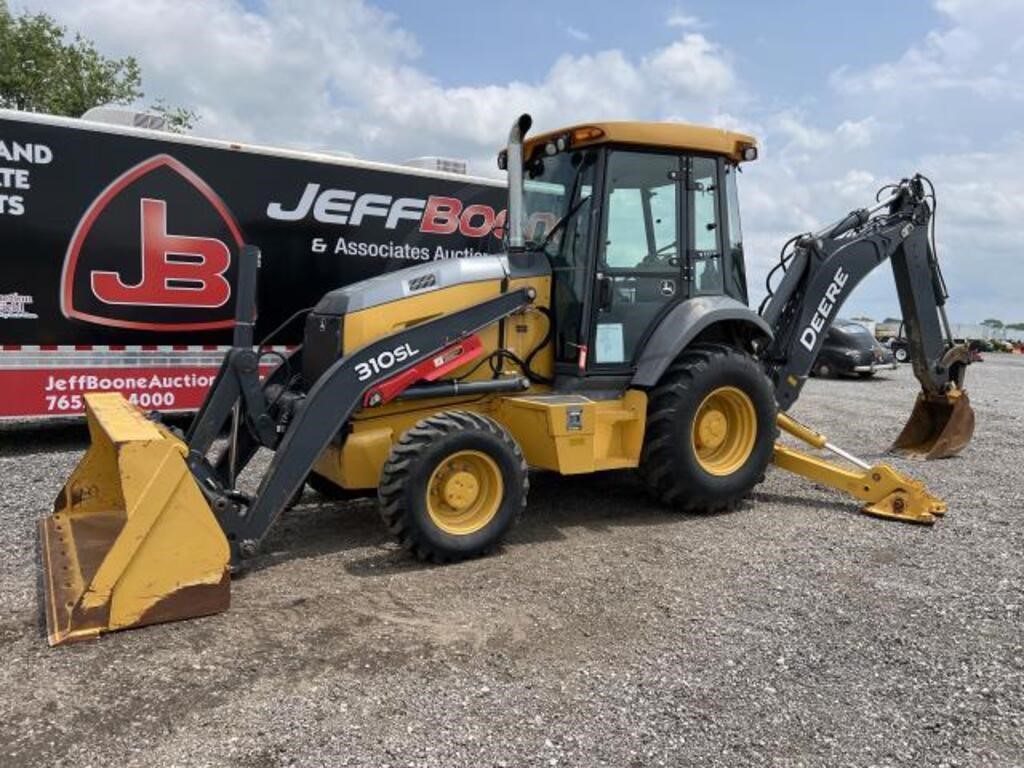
column 710, row 430
column 453, row 486
column 901, row 355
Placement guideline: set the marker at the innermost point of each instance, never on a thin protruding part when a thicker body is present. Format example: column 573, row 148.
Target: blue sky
column 844, row 96
column 785, row 45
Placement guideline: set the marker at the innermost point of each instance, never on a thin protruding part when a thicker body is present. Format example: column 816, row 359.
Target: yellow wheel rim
column 464, row 493
column 724, row 431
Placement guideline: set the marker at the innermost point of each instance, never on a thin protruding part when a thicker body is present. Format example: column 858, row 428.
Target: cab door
column 641, row 255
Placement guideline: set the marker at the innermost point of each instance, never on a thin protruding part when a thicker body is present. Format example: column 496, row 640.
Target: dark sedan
column 851, row 350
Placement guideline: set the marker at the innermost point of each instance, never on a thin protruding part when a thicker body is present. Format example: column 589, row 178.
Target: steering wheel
column 656, row 257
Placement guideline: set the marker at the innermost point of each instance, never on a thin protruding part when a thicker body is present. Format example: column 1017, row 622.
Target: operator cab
column 634, row 218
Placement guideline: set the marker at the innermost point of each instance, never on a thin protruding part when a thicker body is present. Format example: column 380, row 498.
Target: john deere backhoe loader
column 613, row 335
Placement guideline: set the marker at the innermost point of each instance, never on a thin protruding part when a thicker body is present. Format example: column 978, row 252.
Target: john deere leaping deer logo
column 182, row 240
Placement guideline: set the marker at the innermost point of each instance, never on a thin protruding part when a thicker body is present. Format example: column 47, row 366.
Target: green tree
column 44, row 69
column 992, row 323
column 1016, row 326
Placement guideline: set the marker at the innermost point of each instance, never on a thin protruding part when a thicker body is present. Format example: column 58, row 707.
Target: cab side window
column 707, row 253
column 736, row 276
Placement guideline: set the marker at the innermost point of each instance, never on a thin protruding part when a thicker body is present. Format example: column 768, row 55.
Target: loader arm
column 820, row 273
column 318, row 416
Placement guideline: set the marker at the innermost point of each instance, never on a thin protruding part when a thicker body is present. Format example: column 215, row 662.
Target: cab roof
column 679, row 136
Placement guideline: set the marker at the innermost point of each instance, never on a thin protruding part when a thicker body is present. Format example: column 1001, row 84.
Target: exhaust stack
column 515, row 182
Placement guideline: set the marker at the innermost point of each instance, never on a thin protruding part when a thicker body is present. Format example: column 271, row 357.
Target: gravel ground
column 793, row 632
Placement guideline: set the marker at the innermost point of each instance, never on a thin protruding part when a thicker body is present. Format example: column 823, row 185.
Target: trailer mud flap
column 938, row 427
column 131, row 540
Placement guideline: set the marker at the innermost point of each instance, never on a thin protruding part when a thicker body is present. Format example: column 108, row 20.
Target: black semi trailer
column 118, row 250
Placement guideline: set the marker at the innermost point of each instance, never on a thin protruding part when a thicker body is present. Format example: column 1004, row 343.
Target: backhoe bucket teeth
column 131, row 540
column 938, row 427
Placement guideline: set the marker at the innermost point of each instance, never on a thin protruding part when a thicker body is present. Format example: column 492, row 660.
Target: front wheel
column 901, row 355
column 453, row 486
column 710, row 430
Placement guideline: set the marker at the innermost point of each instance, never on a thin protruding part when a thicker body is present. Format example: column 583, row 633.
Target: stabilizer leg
column 887, row 493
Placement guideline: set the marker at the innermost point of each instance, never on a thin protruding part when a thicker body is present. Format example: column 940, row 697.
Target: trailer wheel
column 710, row 430
column 453, row 486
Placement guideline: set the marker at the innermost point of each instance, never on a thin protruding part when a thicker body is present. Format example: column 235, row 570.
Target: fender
column 683, row 323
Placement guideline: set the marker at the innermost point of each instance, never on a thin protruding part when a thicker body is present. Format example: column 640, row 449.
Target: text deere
column 809, row 335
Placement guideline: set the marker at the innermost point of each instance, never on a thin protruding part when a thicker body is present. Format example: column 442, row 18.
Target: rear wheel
column 453, row 486
column 710, row 430
column 900, row 353
column 823, row 370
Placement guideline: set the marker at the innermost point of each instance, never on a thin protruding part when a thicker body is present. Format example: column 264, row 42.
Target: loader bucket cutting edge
column 938, row 427
column 131, row 540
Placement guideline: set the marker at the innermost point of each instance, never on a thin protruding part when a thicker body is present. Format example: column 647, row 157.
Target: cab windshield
column 556, row 189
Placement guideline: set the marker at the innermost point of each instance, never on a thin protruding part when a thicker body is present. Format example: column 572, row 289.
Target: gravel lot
column 793, row 632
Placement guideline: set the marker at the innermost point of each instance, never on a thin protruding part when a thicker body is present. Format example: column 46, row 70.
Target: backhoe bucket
column 938, row 427
column 131, row 540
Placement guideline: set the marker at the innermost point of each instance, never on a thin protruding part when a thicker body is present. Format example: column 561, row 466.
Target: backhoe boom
column 820, row 273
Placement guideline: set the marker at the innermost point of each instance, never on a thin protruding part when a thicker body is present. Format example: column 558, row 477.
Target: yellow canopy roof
column 679, row 136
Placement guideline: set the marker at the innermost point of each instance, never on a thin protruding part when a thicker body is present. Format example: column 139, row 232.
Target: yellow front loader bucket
column 939, row 426
column 131, row 540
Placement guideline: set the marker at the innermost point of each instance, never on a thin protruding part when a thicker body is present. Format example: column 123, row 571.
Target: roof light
column 587, row 133
column 749, row 153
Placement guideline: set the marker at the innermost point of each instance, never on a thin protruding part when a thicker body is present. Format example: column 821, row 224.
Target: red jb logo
column 129, row 252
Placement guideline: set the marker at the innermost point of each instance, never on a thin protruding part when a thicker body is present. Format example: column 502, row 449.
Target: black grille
column 422, row 282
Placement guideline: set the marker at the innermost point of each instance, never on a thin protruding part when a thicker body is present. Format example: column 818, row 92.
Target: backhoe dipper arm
column 825, row 267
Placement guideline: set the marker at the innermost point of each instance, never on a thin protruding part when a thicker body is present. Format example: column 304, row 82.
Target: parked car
column 851, row 350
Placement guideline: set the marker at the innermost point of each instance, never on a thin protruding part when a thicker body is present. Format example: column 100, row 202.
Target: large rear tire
column 710, row 430
column 453, row 486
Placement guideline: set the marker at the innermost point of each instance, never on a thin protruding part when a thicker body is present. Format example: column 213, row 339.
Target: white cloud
column 577, row 34
column 794, row 127
column 345, row 75
column 684, row 21
column 977, row 53
column 858, row 133
column 692, row 67
column 953, row 103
